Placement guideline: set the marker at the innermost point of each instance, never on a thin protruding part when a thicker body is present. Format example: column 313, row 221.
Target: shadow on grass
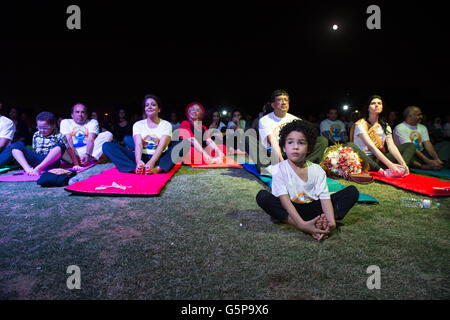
column 258, row 221
column 242, row 173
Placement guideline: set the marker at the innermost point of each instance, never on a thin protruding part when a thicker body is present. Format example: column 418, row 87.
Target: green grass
column 205, row 237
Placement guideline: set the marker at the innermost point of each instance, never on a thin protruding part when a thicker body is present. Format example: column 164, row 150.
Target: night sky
column 223, row 54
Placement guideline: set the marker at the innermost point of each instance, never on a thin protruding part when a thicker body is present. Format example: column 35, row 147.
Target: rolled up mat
column 112, row 182
column 333, row 185
column 424, row 185
column 444, row 173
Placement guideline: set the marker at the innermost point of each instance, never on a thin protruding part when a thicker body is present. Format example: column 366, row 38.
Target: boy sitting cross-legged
column 48, row 146
column 300, row 194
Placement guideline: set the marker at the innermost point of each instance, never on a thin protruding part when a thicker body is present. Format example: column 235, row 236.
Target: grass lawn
column 205, row 237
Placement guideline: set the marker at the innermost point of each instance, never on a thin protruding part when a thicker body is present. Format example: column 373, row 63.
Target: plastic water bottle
column 419, row 203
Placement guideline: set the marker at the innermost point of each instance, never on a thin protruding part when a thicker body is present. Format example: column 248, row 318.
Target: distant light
column 335, row 27
column 106, row 114
column 345, row 108
column 224, row 112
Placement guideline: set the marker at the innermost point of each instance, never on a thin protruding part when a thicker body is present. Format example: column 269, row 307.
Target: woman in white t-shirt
column 152, row 136
column 300, row 194
column 372, row 134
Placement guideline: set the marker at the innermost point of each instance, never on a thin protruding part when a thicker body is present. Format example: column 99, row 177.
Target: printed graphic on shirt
column 79, row 136
column 276, row 131
column 302, row 198
column 416, row 138
column 150, row 143
column 335, row 130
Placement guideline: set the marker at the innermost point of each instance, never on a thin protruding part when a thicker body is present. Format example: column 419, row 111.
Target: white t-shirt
column 360, row 143
column 7, row 128
column 271, row 124
column 404, row 133
column 79, row 133
column 286, row 181
column 152, row 136
column 333, row 130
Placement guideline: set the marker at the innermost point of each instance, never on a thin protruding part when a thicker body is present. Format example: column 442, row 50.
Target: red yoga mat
column 424, row 185
column 114, row 182
column 21, row 176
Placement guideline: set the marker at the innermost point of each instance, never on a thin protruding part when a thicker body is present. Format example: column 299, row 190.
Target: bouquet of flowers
column 341, row 161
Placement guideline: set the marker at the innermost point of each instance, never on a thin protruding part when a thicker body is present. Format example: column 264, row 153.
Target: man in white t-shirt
column 85, row 141
column 332, row 128
column 7, row 130
column 411, row 130
column 269, row 133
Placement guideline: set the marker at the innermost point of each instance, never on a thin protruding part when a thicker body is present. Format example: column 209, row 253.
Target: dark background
column 223, row 54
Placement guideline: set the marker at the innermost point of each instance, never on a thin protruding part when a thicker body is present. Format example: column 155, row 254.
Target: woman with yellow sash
column 372, row 135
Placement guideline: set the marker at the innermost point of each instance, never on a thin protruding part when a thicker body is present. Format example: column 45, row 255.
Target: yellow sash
column 372, row 132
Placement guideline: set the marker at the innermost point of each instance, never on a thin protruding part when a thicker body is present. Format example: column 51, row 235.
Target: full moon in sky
column 335, row 27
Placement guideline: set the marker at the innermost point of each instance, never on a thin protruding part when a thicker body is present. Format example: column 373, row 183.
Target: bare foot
column 35, row 172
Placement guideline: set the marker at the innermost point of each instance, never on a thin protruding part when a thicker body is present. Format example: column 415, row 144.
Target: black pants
column 342, row 202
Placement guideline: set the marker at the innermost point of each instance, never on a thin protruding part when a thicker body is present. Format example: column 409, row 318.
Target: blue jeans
column 34, row 158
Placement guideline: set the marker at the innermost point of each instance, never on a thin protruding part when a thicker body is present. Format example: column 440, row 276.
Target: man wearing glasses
column 269, row 130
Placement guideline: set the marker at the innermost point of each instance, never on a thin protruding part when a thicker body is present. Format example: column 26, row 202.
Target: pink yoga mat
column 21, row 176
column 114, row 182
column 424, row 185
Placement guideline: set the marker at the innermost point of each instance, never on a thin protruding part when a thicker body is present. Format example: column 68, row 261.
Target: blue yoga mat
column 445, row 173
column 333, row 185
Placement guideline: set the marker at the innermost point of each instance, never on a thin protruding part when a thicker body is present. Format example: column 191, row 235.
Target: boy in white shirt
column 269, row 129
column 300, row 194
column 85, row 141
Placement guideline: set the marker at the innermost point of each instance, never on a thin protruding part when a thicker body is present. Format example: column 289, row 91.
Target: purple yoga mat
column 21, row 176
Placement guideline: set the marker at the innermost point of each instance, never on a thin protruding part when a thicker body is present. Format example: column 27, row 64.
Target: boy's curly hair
column 302, row 126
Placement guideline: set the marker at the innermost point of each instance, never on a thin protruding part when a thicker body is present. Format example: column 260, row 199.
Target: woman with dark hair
column 122, row 127
column 202, row 150
column 213, row 120
column 152, row 153
column 372, row 133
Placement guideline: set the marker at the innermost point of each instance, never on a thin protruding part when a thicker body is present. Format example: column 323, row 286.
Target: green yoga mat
column 445, row 173
column 11, row 167
column 333, row 185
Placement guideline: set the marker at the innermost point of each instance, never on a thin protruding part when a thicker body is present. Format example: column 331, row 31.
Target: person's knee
column 107, row 147
column 321, row 140
column 58, row 149
column 108, row 136
column 353, row 192
column 262, row 197
column 19, row 145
